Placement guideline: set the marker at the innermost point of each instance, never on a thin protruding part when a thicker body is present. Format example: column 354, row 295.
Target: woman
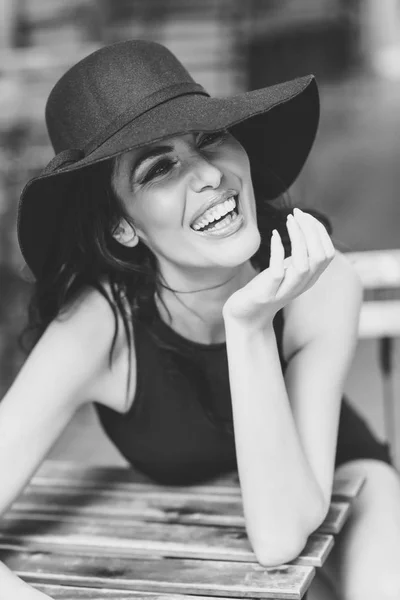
column 212, row 329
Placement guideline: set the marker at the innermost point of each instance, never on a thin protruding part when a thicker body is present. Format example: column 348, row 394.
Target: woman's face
column 166, row 186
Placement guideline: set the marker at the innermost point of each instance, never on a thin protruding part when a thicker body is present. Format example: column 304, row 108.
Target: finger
column 299, row 255
column 277, row 256
column 315, row 248
column 324, row 236
column 287, row 262
column 326, row 241
column 266, row 283
column 273, row 276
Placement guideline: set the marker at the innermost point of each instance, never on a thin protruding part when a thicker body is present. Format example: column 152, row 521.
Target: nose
column 205, row 174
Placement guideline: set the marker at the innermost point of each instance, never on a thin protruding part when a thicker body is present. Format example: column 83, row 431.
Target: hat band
column 142, row 106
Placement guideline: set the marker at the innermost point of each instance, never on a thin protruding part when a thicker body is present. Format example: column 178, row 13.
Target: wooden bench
column 96, row 532
column 379, row 271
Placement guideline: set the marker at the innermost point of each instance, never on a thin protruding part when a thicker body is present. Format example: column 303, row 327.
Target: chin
column 244, row 250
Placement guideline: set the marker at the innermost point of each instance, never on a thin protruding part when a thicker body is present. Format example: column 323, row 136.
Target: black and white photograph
column 199, row 299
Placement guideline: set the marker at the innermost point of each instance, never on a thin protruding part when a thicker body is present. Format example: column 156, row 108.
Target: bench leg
column 386, row 346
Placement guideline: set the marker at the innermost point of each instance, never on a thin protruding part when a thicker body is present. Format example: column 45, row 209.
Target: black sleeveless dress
column 179, row 429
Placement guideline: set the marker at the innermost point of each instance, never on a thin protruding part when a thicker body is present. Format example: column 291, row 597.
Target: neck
column 196, row 313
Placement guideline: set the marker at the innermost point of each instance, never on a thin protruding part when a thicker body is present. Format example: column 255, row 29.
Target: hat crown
column 105, row 85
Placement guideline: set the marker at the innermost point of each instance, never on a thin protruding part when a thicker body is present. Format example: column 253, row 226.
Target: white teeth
column 215, row 213
column 221, row 225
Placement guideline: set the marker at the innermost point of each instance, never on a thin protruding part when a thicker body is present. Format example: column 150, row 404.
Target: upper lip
column 216, row 199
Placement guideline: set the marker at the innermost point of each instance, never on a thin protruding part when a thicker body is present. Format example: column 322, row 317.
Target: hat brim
column 276, row 125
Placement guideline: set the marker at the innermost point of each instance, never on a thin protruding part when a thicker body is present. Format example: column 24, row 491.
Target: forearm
column 281, row 497
column 314, row 380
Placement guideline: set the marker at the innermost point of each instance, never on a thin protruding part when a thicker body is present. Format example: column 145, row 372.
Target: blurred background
column 353, row 172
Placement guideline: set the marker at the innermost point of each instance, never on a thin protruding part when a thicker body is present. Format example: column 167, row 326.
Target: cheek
column 155, row 210
column 239, row 157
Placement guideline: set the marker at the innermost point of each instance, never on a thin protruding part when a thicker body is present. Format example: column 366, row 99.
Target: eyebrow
column 153, row 153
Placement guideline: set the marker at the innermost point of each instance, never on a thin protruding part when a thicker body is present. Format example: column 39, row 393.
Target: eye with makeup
column 212, row 138
column 160, row 168
column 164, row 166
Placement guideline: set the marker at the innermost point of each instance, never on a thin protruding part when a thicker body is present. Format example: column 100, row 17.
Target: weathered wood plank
column 212, row 578
column 63, row 592
column 78, row 532
column 347, row 487
column 68, row 474
column 160, row 506
column 336, row 518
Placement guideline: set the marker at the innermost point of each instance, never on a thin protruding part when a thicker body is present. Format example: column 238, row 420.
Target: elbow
column 318, row 514
column 276, row 552
column 284, row 546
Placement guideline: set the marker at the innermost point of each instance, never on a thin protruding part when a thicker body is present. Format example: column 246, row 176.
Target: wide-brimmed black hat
column 136, row 92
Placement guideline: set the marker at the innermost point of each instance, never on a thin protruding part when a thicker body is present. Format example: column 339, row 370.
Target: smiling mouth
column 219, row 221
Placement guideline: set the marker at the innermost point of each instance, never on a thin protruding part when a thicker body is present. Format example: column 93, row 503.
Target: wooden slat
column 68, row 474
column 157, row 507
column 108, row 479
column 122, row 478
column 212, row 578
column 336, row 517
column 92, row 536
column 347, row 487
column 62, row 592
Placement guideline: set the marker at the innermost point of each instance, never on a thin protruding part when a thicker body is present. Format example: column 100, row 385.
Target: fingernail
column 298, row 211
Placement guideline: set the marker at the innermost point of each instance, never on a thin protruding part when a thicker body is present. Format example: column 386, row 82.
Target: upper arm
column 55, row 380
column 320, row 335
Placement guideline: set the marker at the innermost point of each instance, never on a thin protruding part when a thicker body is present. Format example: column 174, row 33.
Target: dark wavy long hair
column 88, row 255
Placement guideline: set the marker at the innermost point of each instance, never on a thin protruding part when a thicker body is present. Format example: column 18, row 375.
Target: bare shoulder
column 330, row 308
column 114, row 373
column 77, row 346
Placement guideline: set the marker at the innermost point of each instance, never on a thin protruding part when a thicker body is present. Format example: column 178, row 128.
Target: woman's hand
column 257, row 303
